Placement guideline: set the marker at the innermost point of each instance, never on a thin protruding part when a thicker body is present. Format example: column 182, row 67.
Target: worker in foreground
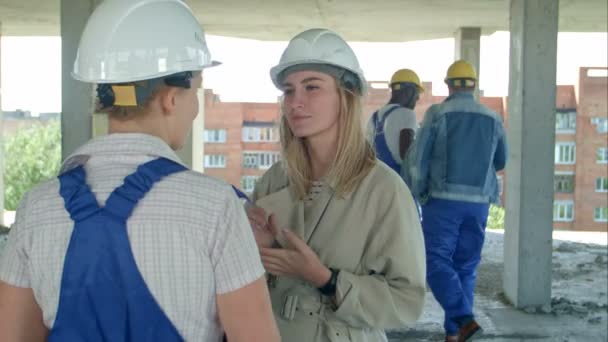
column 127, row 244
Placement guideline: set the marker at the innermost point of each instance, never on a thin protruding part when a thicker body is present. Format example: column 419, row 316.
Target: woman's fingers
column 257, row 217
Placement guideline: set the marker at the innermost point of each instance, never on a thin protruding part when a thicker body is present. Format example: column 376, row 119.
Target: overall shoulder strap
column 123, row 200
column 78, row 199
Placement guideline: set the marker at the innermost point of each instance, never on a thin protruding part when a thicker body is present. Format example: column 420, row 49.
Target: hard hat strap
column 402, row 85
column 137, row 93
column 346, row 78
column 181, row 80
column 461, row 82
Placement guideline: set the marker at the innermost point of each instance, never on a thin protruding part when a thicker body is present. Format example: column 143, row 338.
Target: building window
column 565, row 153
column 248, row 183
column 601, row 184
column 563, row 211
column 250, row 160
column 601, row 124
column 563, row 183
column 260, row 134
column 215, row 136
column 565, row 122
column 600, row 214
column 260, row 160
column 268, row 159
column 602, row 155
column 215, row 161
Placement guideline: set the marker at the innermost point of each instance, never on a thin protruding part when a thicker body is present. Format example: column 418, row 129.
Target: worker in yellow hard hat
column 452, row 169
column 392, row 128
column 461, row 76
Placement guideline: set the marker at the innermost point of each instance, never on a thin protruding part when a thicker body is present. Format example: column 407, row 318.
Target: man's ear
column 168, row 99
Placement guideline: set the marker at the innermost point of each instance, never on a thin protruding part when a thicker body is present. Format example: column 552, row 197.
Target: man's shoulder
column 395, row 110
column 386, row 109
column 402, row 116
column 469, row 104
column 435, row 110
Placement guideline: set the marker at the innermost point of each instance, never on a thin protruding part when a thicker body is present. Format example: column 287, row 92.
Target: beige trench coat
column 373, row 236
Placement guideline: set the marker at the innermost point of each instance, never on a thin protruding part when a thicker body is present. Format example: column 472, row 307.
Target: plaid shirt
column 190, row 236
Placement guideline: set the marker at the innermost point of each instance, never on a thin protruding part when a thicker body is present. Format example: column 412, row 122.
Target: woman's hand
column 261, row 224
column 297, row 260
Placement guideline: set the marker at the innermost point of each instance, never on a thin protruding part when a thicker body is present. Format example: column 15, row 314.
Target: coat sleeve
column 391, row 290
column 500, row 157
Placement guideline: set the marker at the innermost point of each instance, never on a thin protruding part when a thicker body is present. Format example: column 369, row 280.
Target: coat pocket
column 337, row 333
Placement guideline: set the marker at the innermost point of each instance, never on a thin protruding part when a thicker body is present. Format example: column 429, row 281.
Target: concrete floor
column 579, row 311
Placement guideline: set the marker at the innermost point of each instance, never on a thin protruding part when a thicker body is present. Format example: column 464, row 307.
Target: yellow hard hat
column 406, row 76
column 461, row 70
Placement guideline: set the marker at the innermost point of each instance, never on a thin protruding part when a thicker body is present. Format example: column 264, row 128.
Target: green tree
column 32, row 155
column 496, row 218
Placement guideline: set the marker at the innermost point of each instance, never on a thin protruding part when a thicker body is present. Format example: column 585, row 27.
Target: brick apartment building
column 581, row 154
column 241, row 142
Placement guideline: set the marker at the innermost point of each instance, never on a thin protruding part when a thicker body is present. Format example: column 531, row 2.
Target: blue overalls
column 454, row 232
column 103, row 295
column 240, row 194
column 382, row 151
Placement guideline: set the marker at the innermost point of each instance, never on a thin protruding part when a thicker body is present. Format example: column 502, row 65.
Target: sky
column 31, row 66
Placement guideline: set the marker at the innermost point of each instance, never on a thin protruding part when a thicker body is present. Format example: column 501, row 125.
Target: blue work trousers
column 454, row 233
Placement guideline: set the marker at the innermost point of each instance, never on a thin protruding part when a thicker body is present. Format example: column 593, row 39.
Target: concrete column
column 467, row 46
column 467, row 42
column 100, row 124
column 1, row 140
column 531, row 135
column 192, row 152
column 76, row 97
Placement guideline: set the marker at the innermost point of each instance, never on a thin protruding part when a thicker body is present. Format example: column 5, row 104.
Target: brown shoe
column 468, row 331
column 451, row 338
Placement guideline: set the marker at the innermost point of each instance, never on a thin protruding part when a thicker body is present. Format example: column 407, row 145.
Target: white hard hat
column 318, row 46
column 134, row 40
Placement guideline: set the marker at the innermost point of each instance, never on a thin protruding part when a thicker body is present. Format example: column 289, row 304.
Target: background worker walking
column 392, row 128
column 452, row 172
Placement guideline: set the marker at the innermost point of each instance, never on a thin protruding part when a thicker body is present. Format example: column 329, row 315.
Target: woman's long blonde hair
column 354, row 157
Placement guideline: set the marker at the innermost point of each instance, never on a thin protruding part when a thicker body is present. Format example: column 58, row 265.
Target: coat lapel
column 289, row 211
column 315, row 212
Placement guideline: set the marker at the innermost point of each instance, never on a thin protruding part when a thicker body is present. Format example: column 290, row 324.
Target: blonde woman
column 337, row 229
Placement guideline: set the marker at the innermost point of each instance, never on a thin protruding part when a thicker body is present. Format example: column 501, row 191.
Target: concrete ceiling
column 356, row 20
